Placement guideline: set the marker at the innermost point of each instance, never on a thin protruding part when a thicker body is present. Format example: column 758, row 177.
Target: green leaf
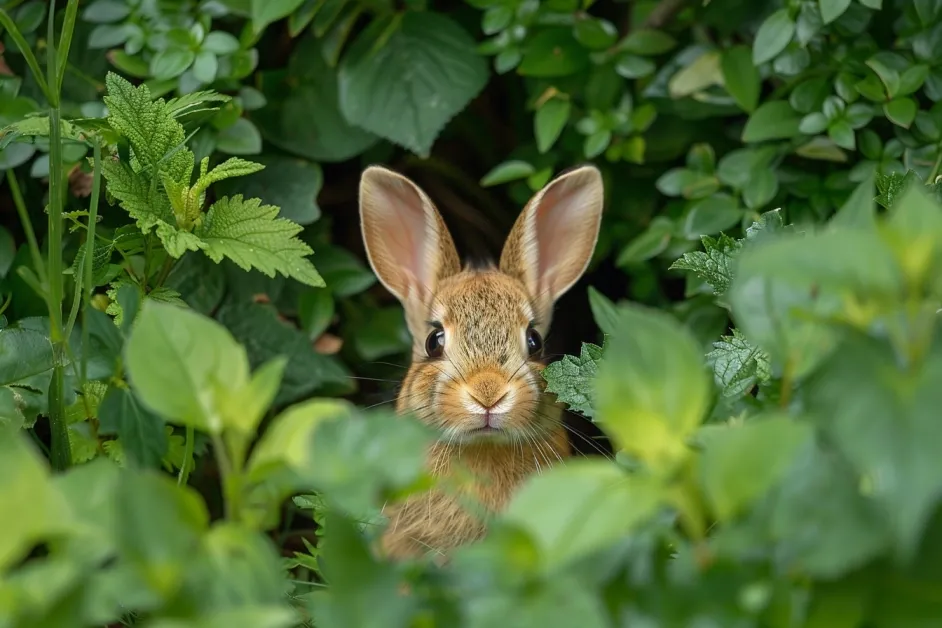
column 651, row 243
column 597, row 143
column 205, row 67
column 512, row 170
column 242, row 138
column 842, row 134
column 571, row 379
column 900, row 111
column 595, row 33
column 649, row 358
column 712, row 215
column 549, row 122
column 552, row 52
column 141, row 431
column 773, row 36
column 648, row 42
column 220, row 43
column 634, row 67
column 832, row 9
column 264, row 12
column 171, row 63
column 604, row 312
column 26, row 491
column 740, row 463
column 574, row 510
column 738, row 366
column 714, row 264
column 760, row 189
column 406, row 91
column 771, row 121
column 303, row 114
column 251, row 235
column 859, row 210
column 184, row 366
column 741, row 77
column 105, row 11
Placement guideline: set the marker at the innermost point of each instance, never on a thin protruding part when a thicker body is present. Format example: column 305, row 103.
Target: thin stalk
column 34, row 249
column 7, row 22
column 83, row 282
column 935, row 167
column 65, row 43
column 92, row 224
column 231, row 480
column 169, row 263
column 187, row 454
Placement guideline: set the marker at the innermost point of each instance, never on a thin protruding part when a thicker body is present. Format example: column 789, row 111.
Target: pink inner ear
column 404, row 230
column 559, row 231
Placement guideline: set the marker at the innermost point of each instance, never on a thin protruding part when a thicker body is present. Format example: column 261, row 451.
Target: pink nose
column 491, row 405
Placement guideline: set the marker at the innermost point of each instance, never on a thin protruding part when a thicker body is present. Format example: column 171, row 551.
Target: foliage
column 189, row 337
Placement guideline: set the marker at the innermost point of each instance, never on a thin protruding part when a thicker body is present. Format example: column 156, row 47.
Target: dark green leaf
column 741, row 77
column 832, row 9
column 714, row 264
column 595, row 33
column 647, row 42
column 242, row 138
column 553, row 52
column 631, row 66
column 571, row 379
column 141, row 432
column 171, row 63
column 770, row 121
column 900, row 111
column 712, row 215
column 289, row 183
column 549, row 121
column 407, row 91
column 652, row 242
column 264, row 12
column 105, row 11
column 737, row 365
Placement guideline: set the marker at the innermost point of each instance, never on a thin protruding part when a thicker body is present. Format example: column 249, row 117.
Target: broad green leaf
column 205, row 67
column 900, row 111
column 252, row 236
column 242, row 138
column 760, row 189
column 651, row 243
column 649, row 358
column 712, row 215
column 506, row 172
column 773, row 36
column 859, row 210
column 407, row 90
column 571, row 379
column 553, row 602
column 220, row 43
column 287, row 182
column 24, row 354
column 740, row 463
column 645, row 41
column 741, row 77
column 549, row 121
column 140, row 430
column 184, row 366
column 832, row 9
column 574, row 510
column 26, row 491
column 303, row 114
column 171, row 63
column 158, row 527
column 737, row 365
column 595, row 33
column 255, row 616
column 704, row 72
column 551, row 52
column 105, row 11
column 771, row 121
column 264, row 12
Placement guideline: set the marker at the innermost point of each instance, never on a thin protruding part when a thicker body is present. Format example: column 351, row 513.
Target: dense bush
column 188, row 425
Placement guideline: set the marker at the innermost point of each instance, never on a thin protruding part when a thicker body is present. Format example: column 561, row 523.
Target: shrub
column 177, row 341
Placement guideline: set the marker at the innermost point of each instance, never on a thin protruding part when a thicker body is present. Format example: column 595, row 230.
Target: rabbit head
column 478, row 332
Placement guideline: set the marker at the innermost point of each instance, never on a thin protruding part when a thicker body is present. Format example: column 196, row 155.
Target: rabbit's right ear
column 406, row 240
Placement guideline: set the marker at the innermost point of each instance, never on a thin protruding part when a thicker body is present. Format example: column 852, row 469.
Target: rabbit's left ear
column 552, row 241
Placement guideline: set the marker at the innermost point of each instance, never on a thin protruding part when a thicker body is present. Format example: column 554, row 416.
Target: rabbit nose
column 487, row 390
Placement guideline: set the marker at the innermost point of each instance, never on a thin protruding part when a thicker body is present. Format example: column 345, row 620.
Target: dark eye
column 534, row 341
column 435, row 343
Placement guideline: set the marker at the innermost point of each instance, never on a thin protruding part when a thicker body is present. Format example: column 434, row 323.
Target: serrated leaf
column 140, row 430
column 737, row 365
column 572, row 378
column 252, row 235
column 714, row 264
column 409, row 88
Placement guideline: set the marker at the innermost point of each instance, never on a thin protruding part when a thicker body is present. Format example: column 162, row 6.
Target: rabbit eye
column 435, row 343
column 534, row 341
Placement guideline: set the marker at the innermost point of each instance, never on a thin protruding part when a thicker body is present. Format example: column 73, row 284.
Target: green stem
column 65, row 43
column 187, row 454
column 935, row 167
column 34, row 249
column 169, row 263
column 83, row 281
column 7, row 22
column 92, row 225
column 61, row 454
column 231, row 480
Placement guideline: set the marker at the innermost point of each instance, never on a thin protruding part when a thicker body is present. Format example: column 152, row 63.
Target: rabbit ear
column 552, row 241
column 406, row 240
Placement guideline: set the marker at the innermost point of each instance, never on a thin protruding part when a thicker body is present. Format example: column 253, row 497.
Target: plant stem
column 187, row 454
column 90, row 237
column 231, row 482
column 83, row 278
column 65, row 43
column 935, row 167
column 165, row 271
column 34, row 249
column 7, row 22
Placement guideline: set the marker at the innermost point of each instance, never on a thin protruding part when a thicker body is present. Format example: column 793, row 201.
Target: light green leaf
column 549, row 122
column 738, row 365
column 901, row 111
column 860, row 209
column 832, row 9
column 251, row 235
column 576, row 509
column 242, row 138
column 773, row 36
column 407, row 90
column 741, row 77
column 171, row 63
column 740, row 463
column 770, row 121
column 650, row 357
column 571, row 379
column 205, row 66
column 184, row 366
column 712, row 215
column 714, row 264
column 506, row 172
column 604, row 311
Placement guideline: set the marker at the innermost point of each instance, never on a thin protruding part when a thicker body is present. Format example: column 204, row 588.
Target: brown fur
column 485, row 314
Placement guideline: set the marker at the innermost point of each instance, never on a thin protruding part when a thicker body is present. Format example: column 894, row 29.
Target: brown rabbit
column 477, row 338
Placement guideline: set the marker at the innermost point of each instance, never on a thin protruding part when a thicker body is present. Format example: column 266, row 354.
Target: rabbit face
column 477, row 334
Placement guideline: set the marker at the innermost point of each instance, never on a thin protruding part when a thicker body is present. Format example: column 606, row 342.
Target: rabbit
column 477, row 341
